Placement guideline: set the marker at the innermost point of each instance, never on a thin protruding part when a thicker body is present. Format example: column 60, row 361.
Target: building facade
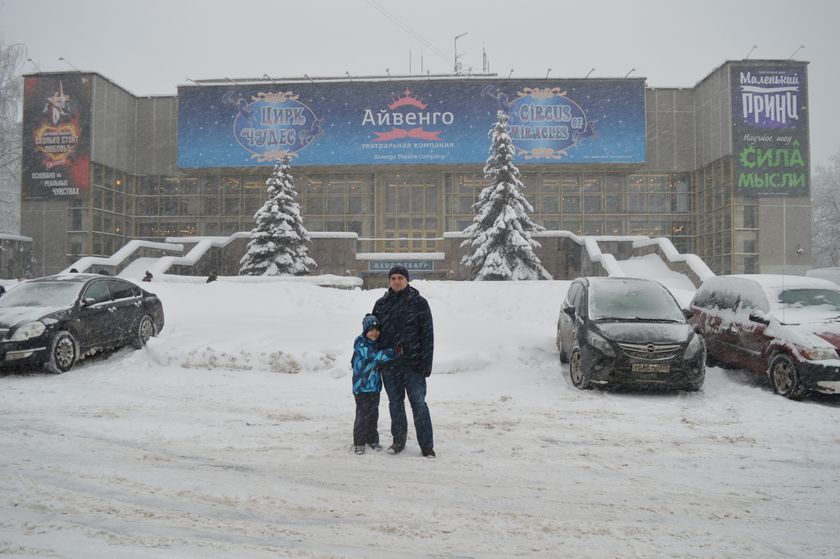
column 720, row 168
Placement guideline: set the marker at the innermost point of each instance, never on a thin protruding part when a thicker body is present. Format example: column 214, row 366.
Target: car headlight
column 600, row 344
column 28, row 330
column 819, row 353
column 694, row 346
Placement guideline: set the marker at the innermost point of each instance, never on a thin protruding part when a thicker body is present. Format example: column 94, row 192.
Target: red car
column 787, row 327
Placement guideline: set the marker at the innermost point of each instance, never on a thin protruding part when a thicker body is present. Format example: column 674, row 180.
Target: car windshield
column 828, row 299
column 42, row 294
column 633, row 300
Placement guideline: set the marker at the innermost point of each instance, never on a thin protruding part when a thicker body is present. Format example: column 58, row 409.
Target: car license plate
column 650, row 367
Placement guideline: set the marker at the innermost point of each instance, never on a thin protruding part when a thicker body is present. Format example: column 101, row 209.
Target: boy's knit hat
column 368, row 322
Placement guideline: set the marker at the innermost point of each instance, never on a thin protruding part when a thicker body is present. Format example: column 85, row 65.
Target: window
column 210, row 206
column 97, row 291
column 571, row 203
column 680, row 196
column 76, row 223
column 122, row 289
column 592, row 204
column 750, row 216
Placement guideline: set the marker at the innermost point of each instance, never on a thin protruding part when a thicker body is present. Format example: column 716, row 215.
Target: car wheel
column 576, row 372
column 145, row 330
column 64, row 351
column 697, row 384
column 784, row 378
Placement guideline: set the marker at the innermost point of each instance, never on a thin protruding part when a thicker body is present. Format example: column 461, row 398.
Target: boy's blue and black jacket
column 366, row 360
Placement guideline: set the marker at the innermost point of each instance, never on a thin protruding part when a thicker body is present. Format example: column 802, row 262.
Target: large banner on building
column 770, row 129
column 56, row 136
column 410, row 122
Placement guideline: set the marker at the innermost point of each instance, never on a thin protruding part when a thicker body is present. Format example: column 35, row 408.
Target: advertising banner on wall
column 410, row 122
column 56, row 136
column 770, row 129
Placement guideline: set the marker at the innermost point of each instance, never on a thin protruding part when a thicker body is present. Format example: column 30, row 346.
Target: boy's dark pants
column 365, row 430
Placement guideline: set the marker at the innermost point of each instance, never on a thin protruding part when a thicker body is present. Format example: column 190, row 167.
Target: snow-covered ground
column 230, row 436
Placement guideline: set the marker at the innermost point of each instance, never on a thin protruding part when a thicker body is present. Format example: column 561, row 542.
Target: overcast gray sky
column 151, row 46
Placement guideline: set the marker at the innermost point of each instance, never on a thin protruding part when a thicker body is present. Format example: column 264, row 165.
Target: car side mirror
column 760, row 318
column 86, row 302
column 570, row 310
column 687, row 313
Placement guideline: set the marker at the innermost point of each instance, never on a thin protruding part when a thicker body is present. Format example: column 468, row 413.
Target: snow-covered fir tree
column 279, row 242
column 499, row 239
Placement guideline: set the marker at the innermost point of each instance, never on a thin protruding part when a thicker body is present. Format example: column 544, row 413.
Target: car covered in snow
column 56, row 320
column 787, row 327
column 628, row 331
column 830, row 274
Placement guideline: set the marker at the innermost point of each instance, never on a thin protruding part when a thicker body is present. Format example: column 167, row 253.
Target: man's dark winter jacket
column 407, row 322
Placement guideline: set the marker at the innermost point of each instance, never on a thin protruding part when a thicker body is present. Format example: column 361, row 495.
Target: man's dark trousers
column 398, row 384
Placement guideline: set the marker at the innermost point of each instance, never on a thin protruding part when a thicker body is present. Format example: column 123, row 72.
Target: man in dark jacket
column 406, row 321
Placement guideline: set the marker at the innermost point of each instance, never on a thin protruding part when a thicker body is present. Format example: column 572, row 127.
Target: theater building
column 721, row 168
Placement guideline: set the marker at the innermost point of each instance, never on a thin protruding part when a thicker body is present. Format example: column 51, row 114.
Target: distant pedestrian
column 212, row 277
column 148, row 276
column 367, row 383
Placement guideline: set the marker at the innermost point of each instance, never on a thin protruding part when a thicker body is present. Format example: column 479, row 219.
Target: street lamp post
column 456, row 49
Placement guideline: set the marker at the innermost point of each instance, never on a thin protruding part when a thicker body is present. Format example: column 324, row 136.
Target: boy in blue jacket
column 367, row 383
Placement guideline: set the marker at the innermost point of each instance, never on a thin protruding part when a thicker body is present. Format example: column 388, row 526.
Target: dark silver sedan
column 54, row 321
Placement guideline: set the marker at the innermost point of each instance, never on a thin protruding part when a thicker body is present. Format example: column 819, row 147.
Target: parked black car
column 628, row 331
column 56, row 320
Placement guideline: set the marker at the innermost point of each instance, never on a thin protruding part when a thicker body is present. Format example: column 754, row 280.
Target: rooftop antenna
column 456, row 49
column 387, row 71
column 232, row 80
column 547, row 73
column 511, row 73
column 269, row 78
column 484, row 65
column 797, row 50
column 588, row 73
column 192, row 80
column 68, row 63
column 34, row 64
column 349, row 77
column 308, row 78
column 751, row 51
column 630, row 72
